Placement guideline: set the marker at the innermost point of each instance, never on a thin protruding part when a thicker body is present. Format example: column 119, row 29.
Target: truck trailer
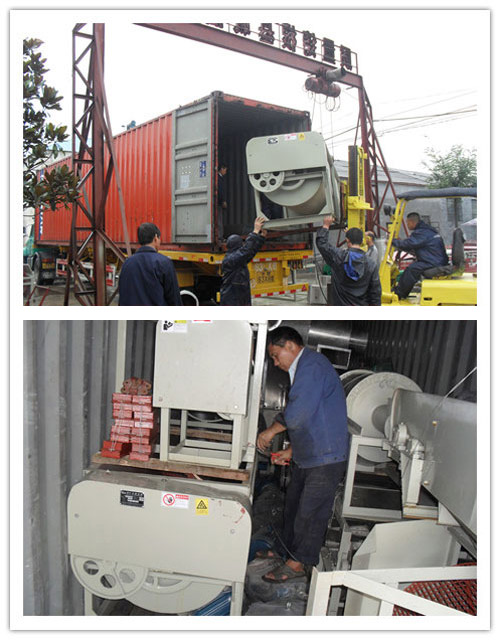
column 168, row 170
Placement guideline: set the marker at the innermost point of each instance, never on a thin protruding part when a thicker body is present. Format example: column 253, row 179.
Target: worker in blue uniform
column 148, row 277
column 355, row 278
column 428, row 246
column 315, row 418
column 235, row 287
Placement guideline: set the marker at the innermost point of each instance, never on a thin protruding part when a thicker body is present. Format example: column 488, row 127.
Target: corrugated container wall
column 437, row 355
column 69, row 376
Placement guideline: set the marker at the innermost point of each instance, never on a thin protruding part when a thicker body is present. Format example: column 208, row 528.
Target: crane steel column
column 98, row 190
column 94, row 169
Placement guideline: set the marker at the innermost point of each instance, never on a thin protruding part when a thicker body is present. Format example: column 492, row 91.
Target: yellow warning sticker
column 202, row 506
column 302, row 136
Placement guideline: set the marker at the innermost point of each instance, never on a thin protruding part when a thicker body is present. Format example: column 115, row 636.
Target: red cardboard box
column 113, row 445
column 142, row 448
column 143, row 400
column 123, row 406
column 122, row 397
column 122, row 415
column 139, row 456
column 139, row 440
column 124, row 423
column 120, row 431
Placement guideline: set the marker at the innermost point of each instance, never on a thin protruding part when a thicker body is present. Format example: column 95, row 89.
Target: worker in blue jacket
column 235, row 287
column 355, row 279
column 426, row 243
column 315, row 418
column 148, row 277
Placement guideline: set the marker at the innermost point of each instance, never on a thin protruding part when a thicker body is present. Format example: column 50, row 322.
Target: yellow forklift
column 448, row 285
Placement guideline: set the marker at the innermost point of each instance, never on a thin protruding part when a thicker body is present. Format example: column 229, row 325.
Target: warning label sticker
column 174, row 326
column 290, row 136
column 202, row 506
column 174, row 500
column 302, row 136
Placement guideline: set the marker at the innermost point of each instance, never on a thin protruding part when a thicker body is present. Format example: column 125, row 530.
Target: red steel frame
column 94, row 115
column 95, row 120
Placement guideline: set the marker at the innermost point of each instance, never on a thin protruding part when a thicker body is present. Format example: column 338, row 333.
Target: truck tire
column 38, row 272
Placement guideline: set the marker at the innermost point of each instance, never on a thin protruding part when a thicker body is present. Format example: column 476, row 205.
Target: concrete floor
column 55, row 296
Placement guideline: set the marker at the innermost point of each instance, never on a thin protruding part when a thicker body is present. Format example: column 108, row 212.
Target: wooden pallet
column 153, row 464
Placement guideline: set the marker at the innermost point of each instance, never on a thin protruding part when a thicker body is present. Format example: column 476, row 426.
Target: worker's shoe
column 284, row 573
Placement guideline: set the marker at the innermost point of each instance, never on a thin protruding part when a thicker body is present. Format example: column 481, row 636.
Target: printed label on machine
column 132, row 498
column 202, row 506
column 290, row 136
column 174, row 500
column 174, row 326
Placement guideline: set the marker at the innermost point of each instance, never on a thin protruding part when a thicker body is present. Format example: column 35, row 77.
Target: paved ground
column 55, row 296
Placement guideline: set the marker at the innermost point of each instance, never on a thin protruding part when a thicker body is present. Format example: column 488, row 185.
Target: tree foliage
column 41, row 138
column 457, row 168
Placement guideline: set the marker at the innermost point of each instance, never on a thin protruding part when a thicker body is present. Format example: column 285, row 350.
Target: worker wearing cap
column 355, row 278
column 235, row 288
column 148, row 277
column 371, row 251
column 426, row 243
column 315, row 418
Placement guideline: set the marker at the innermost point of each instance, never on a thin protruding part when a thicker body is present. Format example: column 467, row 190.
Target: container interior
column 238, row 122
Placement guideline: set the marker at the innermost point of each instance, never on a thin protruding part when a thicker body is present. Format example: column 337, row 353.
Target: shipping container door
column 192, row 173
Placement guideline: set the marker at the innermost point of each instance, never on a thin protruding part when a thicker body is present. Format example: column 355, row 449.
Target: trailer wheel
column 38, row 272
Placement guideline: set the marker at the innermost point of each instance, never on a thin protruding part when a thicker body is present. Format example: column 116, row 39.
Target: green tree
column 457, row 168
column 41, row 139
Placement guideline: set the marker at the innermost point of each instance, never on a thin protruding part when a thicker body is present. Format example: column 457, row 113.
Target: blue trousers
column 410, row 277
column 308, row 507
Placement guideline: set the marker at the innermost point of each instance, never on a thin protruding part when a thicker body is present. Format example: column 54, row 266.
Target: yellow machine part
column 449, row 292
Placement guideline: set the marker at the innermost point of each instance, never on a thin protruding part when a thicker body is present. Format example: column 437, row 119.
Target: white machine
column 295, row 171
column 172, row 544
column 433, row 440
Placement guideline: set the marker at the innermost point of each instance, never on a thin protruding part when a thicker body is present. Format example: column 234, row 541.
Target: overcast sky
column 415, row 64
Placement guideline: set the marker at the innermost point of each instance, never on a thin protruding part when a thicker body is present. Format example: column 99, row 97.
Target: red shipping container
column 122, row 397
column 145, row 158
column 139, row 456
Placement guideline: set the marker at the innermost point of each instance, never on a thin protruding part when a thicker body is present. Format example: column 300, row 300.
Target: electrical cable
column 455, row 387
column 281, row 541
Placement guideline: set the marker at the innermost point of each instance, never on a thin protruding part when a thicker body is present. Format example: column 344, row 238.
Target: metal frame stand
column 382, row 584
column 365, row 513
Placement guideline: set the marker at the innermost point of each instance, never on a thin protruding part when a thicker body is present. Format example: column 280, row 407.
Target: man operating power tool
column 315, row 417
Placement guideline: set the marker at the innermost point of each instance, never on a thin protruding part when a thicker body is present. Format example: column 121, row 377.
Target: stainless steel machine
column 433, row 440
column 172, row 544
column 295, row 171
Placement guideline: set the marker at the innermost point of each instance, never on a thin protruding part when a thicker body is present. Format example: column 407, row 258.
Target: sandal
column 283, row 573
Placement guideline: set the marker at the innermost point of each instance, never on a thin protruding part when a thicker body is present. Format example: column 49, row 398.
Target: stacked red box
column 135, row 426
column 145, row 430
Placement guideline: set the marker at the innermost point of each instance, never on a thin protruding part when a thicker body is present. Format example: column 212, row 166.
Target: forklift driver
column 426, row 243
